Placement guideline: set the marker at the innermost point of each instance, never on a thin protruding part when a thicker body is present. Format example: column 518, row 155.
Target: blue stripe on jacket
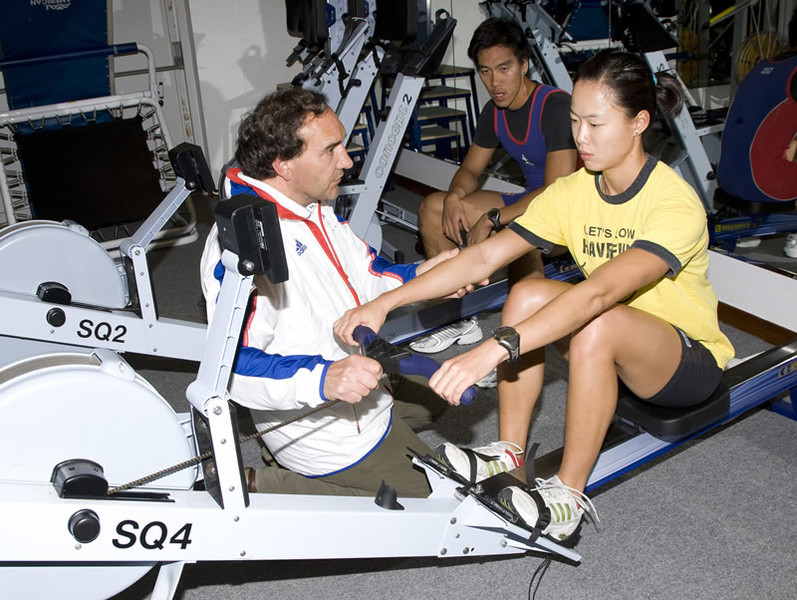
column 382, row 265
column 253, row 362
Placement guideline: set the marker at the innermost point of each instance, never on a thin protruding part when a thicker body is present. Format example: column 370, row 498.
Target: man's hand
column 352, row 378
column 454, row 219
column 480, row 231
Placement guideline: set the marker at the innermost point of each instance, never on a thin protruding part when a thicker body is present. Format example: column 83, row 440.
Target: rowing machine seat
column 674, row 424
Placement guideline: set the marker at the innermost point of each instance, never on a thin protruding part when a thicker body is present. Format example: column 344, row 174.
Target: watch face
column 509, row 339
column 509, row 335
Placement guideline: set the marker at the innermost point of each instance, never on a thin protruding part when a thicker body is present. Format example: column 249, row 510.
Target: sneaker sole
column 456, row 462
column 486, row 385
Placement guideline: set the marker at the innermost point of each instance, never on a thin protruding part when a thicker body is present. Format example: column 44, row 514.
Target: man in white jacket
column 291, row 152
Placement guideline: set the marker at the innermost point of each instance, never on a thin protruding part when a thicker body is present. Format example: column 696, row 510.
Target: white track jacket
column 287, row 343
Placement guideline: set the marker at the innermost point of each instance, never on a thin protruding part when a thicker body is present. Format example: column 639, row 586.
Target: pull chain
column 196, row 460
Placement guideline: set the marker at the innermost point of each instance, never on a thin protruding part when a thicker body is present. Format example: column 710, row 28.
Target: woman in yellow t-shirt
column 645, row 312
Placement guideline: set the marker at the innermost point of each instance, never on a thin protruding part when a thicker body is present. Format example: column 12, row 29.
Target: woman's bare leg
column 520, row 383
column 643, row 350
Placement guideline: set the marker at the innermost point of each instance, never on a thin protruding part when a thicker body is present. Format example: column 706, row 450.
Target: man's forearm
column 463, row 183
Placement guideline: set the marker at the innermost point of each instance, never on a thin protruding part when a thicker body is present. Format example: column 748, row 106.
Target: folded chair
column 72, row 149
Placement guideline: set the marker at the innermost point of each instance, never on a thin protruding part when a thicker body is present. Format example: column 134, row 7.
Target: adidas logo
column 300, row 248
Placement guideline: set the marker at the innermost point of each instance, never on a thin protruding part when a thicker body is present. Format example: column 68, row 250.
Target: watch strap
column 495, row 218
column 510, row 340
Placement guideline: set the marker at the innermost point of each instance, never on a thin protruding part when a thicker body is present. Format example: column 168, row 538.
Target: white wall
column 152, row 23
column 241, row 47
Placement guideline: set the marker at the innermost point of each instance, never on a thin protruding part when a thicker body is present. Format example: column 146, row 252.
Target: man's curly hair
column 271, row 130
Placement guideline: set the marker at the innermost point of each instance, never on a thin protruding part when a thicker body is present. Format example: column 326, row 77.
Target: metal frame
column 378, row 164
column 21, row 315
column 172, row 526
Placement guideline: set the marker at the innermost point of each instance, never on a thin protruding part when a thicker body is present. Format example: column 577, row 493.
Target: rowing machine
column 71, row 526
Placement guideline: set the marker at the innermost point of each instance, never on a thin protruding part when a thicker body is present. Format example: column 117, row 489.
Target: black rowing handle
column 399, row 361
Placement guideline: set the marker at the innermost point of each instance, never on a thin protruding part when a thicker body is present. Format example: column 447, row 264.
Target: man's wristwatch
column 495, row 218
column 509, row 339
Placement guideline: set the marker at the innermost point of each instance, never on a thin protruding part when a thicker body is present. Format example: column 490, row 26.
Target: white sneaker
column 480, row 463
column 463, row 332
column 488, row 381
column 790, row 248
column 748, row 242
column 553, row 507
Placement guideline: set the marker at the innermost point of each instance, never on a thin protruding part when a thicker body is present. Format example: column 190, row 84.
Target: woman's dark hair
column 633, row 85
column 271, row 130
column 499, row 32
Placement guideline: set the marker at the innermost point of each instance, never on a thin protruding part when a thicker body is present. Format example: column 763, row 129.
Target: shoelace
column 513, row 447
column 581, row 498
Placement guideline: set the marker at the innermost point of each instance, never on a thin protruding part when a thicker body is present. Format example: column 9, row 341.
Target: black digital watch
column 495, row 218
column 509, row 339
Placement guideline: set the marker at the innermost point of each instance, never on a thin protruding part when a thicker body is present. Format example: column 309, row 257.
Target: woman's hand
column 369, row 314
column 459, row 373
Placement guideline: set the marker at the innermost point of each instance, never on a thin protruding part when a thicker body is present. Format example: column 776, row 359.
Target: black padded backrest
column 396, row 20
column 250, row 228
column 293, row 11
column 357, row 9
column 188, row 162
column 641, row 30
column 307, row 19
column 98, row 174
column 422, row 59
column 437, row 43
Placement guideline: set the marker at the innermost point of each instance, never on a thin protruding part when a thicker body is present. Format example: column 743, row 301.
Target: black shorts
column 695, row 379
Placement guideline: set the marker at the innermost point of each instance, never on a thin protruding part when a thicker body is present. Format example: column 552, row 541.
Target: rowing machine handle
column 398, row 360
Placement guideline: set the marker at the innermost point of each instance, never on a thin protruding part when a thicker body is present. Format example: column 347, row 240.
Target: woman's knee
column 527, row 296
column 597, row 337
